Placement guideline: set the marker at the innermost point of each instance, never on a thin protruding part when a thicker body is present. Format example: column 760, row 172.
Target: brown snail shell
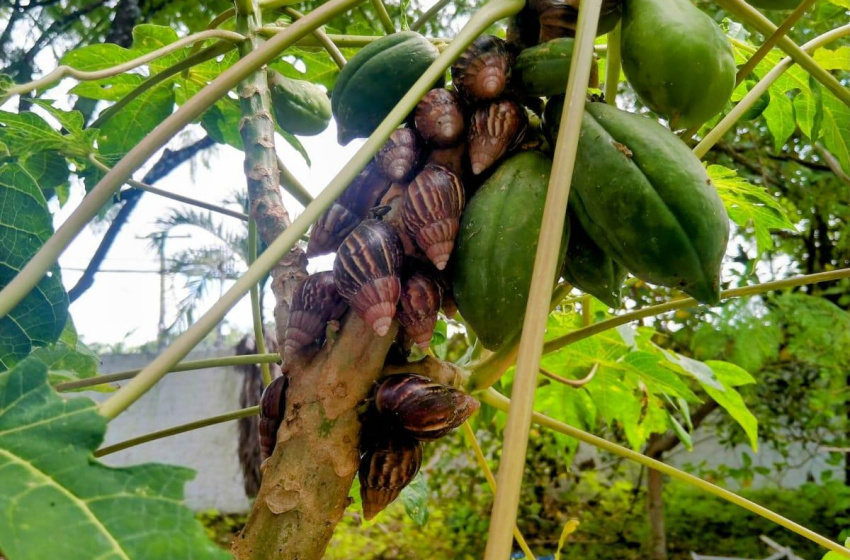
column 439, row 118
column 431, row 212
column 392, row 201
column 272, row 409
column 315, row 301
column 495, row 128
column 453, row 158
column 418, row 307
column 543, row 20
column 423, row 408
column 367, row 270
column 483, row 70
column 401, row 156
column 386, row 467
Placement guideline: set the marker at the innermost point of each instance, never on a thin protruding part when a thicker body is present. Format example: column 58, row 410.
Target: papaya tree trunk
column 655, row 501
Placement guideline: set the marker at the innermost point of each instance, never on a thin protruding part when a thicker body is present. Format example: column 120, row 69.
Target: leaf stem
column 174, row 430
column 256, row 312
column 511, row 466
column 481, row 20
column 486, row 372
column 249, row 359
column 491, row 481
column 46, row 257
column 612, row 66
column 83, row 76
column 502, row 403
column 341, row 41
column 431, row 12
column 179, row 198
column 572, row 382
column 760, row 88
column 292, row 185
column 214, row 23
column 751, row 16
column 384, row 16
column 322, row 38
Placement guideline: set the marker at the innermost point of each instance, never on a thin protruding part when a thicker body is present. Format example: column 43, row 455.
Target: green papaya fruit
column 375, row 80
column 646, row 200
column 590, row 269
column 543, row 70
column 300, row 107
column 496, row 245
column 775, row 4
column 677, row 59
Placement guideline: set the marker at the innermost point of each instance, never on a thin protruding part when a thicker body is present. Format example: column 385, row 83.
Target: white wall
column 177, row 399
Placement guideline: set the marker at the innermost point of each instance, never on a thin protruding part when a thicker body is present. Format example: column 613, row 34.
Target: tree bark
column 655, row 506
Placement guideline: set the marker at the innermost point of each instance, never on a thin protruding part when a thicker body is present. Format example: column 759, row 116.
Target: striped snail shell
column 483, row 70
column 496, row 128
column 389, row 463
column 367, row 270
column 543, row 20
column 315, row 301
column 423, row 408
column 366, row 189
column 418, row 307
column 453, row 158
column 401, row 156
column 431, row 212
column 272, row 409
column 439, row 118
column 393, row 201
column 448, row 305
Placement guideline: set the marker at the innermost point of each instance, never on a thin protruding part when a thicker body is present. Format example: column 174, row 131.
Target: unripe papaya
column 496, row 245
column 775, row 4
column 543, row 70
column 646, row 200
column 590, row 269
column 677, row 59
column 300, row 107
column 375, row 80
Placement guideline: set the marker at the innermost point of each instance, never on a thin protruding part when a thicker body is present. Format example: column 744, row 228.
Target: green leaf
column 839, row 59
column 25, row 224
column 749, row 205
column 779, row 116
column 834, row 555
column 68, row 358
column 48, row 169
column 27, row 133
column 836, row 129
column 656, row 378
column 133, row 122
column 68, row 505
column 221, row 122
column 731, row 400
column 415, row 499
column 808, row 109
column 680, row 432
column 110, row 89
column 97, row 57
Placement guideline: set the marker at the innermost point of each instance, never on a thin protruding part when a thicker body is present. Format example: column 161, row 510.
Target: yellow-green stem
column 249, row 359
column 256, row 312
column 322, row 38
column 214, row 23
column 431, row 12
column 511, row 466
column 749, row 15
column 384, row 16
column 472, row 441
column 341, row 41
column 612, row 66
column 502, row 403
column 481, row 20
column 46, row 257
column 759, row 89
column 182, row 428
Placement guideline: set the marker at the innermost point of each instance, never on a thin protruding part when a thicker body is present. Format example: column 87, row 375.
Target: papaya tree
column 499, row 173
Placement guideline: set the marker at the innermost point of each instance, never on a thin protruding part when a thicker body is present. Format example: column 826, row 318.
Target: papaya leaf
column 808, row 109
column 148, row 37
column 109, row 89
column 839, row 59
column 731, row 376
column 836, row 129
column 680, row 432
column 48, row 169
column 834, row 555
column 133, row 122
column 91, row 58
column 779, row 116
column 415, row 500
column 62, row 503
column 221, row 122
column 25, row 224
column 68, row 358
column 28, row 133
column 749, row 205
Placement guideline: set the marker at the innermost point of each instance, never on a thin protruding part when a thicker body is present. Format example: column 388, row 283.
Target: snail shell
column 401, row 156
column 483, row 70
column 439, row 118
column 425, row 409
column 315, row 301
column 453, row 158
column 272, row 409
column 392, row 201
column 431, row 212
column 543, row 20
column 419, row 304
column 388, row 464
column 367, row 270
column 496, row 128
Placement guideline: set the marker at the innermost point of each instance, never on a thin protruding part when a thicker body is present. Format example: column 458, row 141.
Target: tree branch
column 166, row 164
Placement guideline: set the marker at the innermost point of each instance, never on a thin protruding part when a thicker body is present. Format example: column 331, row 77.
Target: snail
column 315, row 301
column 439, row 118
column 482, row 72
column 367, row 270
column 431, row 211
column 418, row 307
column 389, row 463
column 400, row 158
column 495, row 128
column 424, row 409
column 543, row 20
column 272, row 409
column 453, row 158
